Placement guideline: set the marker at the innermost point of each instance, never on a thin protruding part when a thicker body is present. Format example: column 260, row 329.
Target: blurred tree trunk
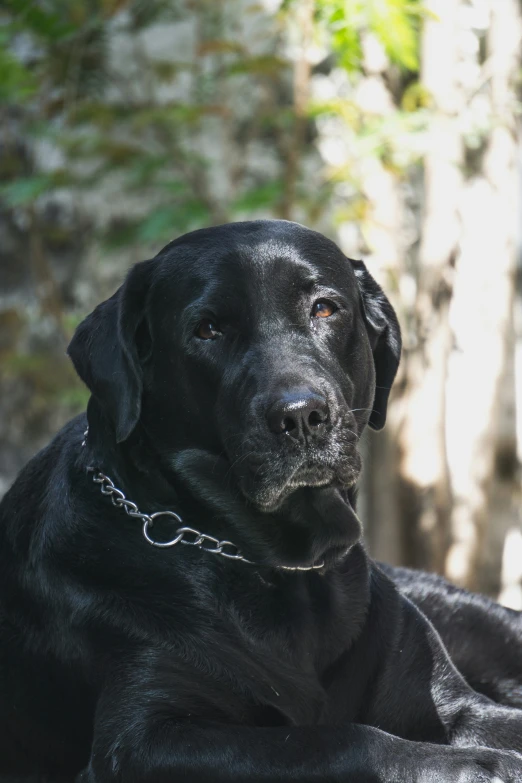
column 482, row 386
column 424, row 489
column 448, row 456
column 293, row 149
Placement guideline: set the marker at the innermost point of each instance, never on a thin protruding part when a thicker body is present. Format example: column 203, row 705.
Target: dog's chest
column 292, row 636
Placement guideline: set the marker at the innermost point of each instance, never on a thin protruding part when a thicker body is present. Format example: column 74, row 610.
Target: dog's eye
column 323, row 308
column 207, row 330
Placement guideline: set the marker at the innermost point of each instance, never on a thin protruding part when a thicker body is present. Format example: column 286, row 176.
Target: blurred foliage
column 56, row 73
column 77, row 122
column 395, row 23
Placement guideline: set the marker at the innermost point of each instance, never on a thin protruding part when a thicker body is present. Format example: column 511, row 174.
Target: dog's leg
column 417, row 691
column 151, row 726
column 164, row 751
column 484, row 639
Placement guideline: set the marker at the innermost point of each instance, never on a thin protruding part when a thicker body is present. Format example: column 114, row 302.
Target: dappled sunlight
column 511, row 575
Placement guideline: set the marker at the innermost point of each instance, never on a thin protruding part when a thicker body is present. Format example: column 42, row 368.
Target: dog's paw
column 426, row 763
column 503, row 766
column 473, row 765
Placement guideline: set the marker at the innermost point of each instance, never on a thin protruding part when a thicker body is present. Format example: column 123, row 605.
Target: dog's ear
column 385, row 338
column 105, row 354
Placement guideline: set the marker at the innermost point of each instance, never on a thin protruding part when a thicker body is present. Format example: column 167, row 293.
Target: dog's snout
column 298, row 413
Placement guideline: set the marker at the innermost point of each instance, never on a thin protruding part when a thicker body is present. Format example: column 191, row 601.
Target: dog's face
column 258, row 342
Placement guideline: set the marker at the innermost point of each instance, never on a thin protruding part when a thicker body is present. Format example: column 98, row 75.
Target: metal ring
column 214, row 550
column 237, row 556
column 211, row 538
column 198, row 537
column 150, row 521
column 116, row 492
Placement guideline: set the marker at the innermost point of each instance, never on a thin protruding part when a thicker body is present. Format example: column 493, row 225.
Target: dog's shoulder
column 47, row 472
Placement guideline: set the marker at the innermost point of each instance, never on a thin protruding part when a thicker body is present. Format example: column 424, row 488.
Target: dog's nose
column 297, row 413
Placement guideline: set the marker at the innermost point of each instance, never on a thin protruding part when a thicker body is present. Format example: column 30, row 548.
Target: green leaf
column 48, row 24
column 143, row 170
column 395, row 23
column 17, row 83
column 25, row 190
column 256, row 198
column 156, row 225
column 173, row 186
column 163, row 222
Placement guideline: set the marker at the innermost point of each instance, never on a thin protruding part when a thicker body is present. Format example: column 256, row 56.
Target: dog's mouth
column 268, row 484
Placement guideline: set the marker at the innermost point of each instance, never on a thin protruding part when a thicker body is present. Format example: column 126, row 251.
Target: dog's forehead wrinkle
column 270, row 263
column 261, row 294
column 251, row 273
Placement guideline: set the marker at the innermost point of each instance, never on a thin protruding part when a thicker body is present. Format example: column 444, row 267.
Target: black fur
column 120, row 661
column 483, row 639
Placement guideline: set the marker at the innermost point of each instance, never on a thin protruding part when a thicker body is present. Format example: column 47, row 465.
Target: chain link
column 184, row 535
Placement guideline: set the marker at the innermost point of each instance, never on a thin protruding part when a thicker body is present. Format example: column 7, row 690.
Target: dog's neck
column 313, row 525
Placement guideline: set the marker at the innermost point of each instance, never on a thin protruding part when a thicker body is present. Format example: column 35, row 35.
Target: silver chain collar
column 184, row 534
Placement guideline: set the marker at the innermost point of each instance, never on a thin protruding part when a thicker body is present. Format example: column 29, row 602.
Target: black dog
column 231, row 378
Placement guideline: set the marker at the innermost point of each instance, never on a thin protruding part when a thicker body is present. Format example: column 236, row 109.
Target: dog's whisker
column 238, row 460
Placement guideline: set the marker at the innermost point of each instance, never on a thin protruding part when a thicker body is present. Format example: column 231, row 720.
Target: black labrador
column 184, row 594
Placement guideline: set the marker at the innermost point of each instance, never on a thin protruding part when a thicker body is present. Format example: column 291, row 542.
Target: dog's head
column 258, row 342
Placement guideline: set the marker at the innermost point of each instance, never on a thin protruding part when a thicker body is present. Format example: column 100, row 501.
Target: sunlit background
column 390, row 125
